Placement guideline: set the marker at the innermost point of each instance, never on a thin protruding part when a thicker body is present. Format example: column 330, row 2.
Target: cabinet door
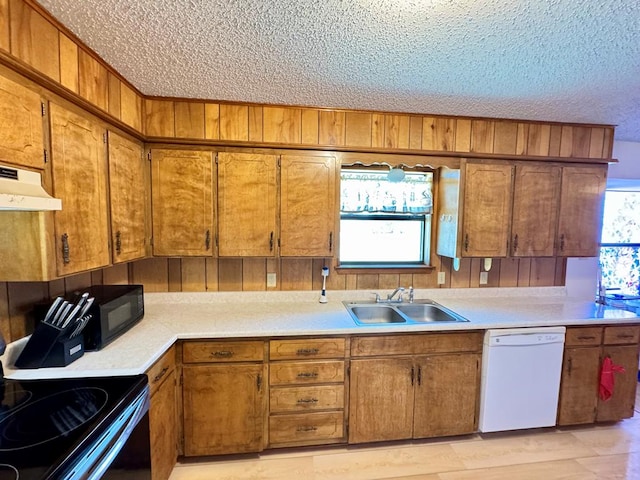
column 128, row 199
column 381, row 399
column 163, row 429
column 21, row 132
column 247, row 202
column 446, row 395
column 224, row 408
column 487, row 210
column 307, row 206
column 581, row 209
column 620, row 405
column 181, row 200
column 536, row 197
column 80, row 180
column 579, row 386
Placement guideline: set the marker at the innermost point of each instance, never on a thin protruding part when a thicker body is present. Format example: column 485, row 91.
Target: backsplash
column 196, row 274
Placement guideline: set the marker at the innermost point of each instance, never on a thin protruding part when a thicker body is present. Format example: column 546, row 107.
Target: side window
column 385, row 217
column 620, row 243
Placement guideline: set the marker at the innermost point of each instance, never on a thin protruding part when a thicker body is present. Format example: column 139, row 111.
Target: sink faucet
column 399, row 291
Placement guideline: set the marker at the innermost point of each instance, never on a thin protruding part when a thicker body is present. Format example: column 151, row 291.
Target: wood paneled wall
column 309, row 127
column 30, row 35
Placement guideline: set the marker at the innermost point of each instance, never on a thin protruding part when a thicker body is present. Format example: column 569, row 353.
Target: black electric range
column 67, row 429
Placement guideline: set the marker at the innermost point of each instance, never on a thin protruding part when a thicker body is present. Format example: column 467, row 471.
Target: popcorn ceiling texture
column 554, row 60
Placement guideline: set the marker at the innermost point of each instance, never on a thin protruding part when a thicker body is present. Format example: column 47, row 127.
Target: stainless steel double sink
column 391, row 313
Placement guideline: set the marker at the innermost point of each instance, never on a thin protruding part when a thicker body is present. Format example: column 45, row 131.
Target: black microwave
column 115, row 310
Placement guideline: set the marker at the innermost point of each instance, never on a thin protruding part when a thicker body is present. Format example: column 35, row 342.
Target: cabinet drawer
column 586, row 337
column 213, row 352
column 160, row 370
column 621, row 335
column 296, row 399
column 292, row 373
column 306, row 348
column 306, row 428
column 416, row 344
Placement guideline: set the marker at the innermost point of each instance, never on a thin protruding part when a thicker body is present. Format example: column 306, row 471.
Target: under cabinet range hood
column 21, row 190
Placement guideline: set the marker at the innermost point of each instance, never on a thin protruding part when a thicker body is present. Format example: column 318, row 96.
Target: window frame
column 428, row 233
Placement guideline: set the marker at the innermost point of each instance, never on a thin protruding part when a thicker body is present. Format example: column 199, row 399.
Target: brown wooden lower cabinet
column 585, row 350
column 307, row 392
column 224, row 397
column 163, row 422
column 414, row 396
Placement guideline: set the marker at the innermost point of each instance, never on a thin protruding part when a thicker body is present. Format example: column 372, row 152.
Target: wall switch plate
column 484, row 278
column 441, row 278
column 271, row 279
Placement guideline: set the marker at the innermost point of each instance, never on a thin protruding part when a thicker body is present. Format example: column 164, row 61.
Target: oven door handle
column 99, row 455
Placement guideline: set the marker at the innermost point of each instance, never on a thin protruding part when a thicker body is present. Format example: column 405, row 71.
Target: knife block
column 50, row 346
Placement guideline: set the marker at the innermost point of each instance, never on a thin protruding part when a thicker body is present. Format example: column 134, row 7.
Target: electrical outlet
column 271, row 279
column 441, row 278
column 484, row 278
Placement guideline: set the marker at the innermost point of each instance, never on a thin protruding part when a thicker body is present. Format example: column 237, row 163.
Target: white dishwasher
column 521, row 370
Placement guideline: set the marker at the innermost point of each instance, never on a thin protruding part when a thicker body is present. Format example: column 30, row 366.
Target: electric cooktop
column 45, row 423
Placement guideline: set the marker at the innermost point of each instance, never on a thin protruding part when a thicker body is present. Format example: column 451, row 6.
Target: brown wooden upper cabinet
column 128, row 198
column 250, row 204
column 520, row 209
column 535, row 210
column 21, row 126
column 581, row 210
column 182, row 202
column 475, row 210
column 307, row 206
column 247, row 205
column 79, row 161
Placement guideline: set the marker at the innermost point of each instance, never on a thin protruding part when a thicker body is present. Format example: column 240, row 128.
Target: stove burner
column 50, row 417
column 12, row 396
column 8, row 472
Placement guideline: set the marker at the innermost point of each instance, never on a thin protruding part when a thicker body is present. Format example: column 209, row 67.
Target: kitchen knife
column 65, row 311
column 56, row 317
column 52, row 310
column 71, row 316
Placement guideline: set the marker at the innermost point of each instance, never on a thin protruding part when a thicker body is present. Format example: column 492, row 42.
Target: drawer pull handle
column 222, row 354
column 307, row 351
column 307, row 374
column 157, row 378
column 307, row 428
column 586, row 337
column 307, row 400
column 625, row 335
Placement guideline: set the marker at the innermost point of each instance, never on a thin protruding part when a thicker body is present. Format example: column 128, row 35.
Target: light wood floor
column 604, row 452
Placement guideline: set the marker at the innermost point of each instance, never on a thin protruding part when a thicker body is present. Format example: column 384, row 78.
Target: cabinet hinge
column 278, row 161
column 216, row 158
column 216, row 239
column 43, row 109
column 151, row 241
column 149, row 155
column 45, row 156
column 346, row 430
column 104, row 137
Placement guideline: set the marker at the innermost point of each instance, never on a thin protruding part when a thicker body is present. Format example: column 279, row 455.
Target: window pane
column 379, row 241
column 621, row 269
column 621, row 222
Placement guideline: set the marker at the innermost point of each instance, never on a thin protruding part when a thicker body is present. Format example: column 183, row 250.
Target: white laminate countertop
column 173, row 316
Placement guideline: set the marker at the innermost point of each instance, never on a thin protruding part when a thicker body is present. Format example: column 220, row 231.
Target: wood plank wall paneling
column 93, row 80
column 130, row 107
column 34, row 39
column 310, row 126
column 331, row 128
column 212, row 121
column 115, row 96
column 358, row 129
column 189, row 120
column 68, row 63
column 282, row 125
column 5, row 39
column 234, row 122
column 159, row 118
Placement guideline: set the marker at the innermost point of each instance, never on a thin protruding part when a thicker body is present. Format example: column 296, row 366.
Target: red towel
column 606, row 377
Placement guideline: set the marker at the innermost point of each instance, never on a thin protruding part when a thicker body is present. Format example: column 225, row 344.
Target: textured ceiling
column 558, row 60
